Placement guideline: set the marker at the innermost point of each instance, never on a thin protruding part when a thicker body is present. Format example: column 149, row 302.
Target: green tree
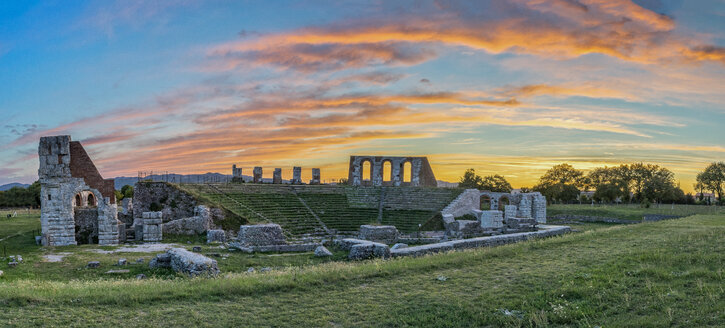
column 561, row 182
column 495, row 183
column 713, row 178
column 127, row 191
column 470, row 180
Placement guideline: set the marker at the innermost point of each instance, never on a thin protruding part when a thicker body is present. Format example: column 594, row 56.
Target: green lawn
column 668, row 273
column 632, row 212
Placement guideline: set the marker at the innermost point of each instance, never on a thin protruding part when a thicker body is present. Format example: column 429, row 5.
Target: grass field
column 632, row 212
column 668, row 273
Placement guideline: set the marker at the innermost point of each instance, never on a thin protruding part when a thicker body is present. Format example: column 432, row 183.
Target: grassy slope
column 652, row 274
column 631, row 212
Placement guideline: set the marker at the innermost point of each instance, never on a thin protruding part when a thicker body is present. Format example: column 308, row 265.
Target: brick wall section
column 81, row 166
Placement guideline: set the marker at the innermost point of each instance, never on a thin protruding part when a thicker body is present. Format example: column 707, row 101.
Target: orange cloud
column 618, row 28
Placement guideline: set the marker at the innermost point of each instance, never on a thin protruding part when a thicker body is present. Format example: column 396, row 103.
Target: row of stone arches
column 494, row 201
column 366, row 171
column 85, row 199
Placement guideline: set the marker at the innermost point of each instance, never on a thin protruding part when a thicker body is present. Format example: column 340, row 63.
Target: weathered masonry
column 403, row 171
column 77, row 204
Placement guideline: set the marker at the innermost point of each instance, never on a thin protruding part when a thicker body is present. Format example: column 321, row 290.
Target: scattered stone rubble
column 186, row 262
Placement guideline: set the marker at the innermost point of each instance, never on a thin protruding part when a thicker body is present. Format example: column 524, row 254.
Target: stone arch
column 406, row 172
column 91, row 200
column 78, row 201
column 369, row 178
column 504, row 200
column 485, row 200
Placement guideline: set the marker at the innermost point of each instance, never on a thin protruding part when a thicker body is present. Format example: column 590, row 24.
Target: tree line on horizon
column 626, row 183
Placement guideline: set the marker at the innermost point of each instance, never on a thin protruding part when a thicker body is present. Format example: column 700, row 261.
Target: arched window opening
column 366, row 167
column 78, row 200
column 503, row 201
column 91, row 200
column 407, row 172
column 387, row 171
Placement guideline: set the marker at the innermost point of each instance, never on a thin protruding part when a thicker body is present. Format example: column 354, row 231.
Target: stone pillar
column 236, row 174
column 257, row 174
column 524, row 207
column 538, row 208
column 494, row 203
column 152, row 226
column 296, row 175
column 377, row 170
column 509, row 212
column 277, row 176
column 491, row 219
column 315, row 176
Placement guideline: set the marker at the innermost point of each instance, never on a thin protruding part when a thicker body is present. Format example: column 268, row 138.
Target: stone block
column 216, row 236
column 380, row 234
column 261, row 235
column 322, row 251
column 369, row 250
column 190, row 263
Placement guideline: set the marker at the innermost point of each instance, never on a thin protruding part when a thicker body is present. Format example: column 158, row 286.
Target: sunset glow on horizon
column 505, row 87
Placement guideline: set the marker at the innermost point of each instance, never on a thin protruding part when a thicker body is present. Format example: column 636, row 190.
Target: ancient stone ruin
column 77, row 204
column 523, row 212
column 417, row 174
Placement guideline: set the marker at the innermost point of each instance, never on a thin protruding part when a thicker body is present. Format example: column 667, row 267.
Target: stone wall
column 195, row 225
column 421, row 174
column 465, row 203
column 67, row 174
column 174, row 203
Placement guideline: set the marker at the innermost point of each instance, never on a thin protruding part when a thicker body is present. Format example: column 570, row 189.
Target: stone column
column 296, row 175
column 277, row 176
column 509, row 212
column 315, row 176
column 236, row 174
column 524, row 208
column 152, row 226
column 257, row 174
column 538, row 208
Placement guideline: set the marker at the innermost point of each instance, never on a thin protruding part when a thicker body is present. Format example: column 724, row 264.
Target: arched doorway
column 485, row 202
column 91, row 200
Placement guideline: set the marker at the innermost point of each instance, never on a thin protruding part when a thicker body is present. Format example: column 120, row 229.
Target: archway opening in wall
column 503, row 201
column 366, row 171
column 78, row 200
column 406, row 172
column 387, row 171
column 485, row 202
column 91, row 200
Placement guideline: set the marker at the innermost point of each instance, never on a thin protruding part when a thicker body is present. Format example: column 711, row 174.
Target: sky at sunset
column 505, row 87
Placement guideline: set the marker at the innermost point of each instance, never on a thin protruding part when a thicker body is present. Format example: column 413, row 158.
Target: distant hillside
column 11, row 185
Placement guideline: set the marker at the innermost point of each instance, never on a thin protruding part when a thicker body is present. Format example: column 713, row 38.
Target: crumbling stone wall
column 161, row 196
column 67, row 174
column 421, row 173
